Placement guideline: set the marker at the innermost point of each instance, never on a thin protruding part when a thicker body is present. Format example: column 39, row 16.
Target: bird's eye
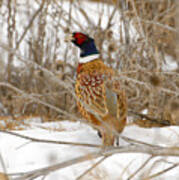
column 80, row 36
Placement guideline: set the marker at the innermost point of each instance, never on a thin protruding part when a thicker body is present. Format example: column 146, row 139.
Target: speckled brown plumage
column 100, row 99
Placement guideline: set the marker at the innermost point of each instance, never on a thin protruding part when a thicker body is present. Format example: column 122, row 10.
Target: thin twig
column 160, row 25
column 30, row 24
column 138, row 19
column 91, row 168
column 50, row 141
column 162, row 172
column 3, row 166
column 140, row 168
column 162, row 122
column 147, row 85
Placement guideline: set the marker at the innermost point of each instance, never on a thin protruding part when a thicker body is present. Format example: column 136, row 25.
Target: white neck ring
column 88, row 58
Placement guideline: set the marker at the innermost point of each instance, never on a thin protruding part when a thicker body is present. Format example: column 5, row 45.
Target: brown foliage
column 138, row 58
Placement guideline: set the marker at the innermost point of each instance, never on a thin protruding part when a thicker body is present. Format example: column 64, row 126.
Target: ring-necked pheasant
column 100, row 99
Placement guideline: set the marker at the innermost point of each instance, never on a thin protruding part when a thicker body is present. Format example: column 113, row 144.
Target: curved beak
column 69, row 37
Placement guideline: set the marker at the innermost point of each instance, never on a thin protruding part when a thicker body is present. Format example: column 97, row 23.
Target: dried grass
column 138, row 60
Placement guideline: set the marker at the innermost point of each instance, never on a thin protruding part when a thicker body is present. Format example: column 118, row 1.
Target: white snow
column 21, row 155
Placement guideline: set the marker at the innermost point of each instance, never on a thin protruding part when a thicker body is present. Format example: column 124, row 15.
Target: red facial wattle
column 80, row 38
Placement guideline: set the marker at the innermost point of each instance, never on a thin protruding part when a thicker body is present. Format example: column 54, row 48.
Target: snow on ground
column 20, row 155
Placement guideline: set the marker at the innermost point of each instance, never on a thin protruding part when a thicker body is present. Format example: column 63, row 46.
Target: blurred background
column 138, row 38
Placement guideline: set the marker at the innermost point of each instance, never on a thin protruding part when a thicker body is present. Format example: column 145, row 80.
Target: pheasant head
column 88, row 50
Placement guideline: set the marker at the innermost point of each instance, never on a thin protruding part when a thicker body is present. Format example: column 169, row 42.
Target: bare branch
column 140, row 168
column 162, row 172
column 50, row 141
column 91, row 168
column 158, row 151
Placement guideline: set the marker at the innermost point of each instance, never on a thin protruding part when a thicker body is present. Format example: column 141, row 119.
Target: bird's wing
column 111, row 101
column 116, row 104
column 116, row 99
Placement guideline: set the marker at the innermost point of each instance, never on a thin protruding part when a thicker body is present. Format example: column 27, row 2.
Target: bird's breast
column 92, row 80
